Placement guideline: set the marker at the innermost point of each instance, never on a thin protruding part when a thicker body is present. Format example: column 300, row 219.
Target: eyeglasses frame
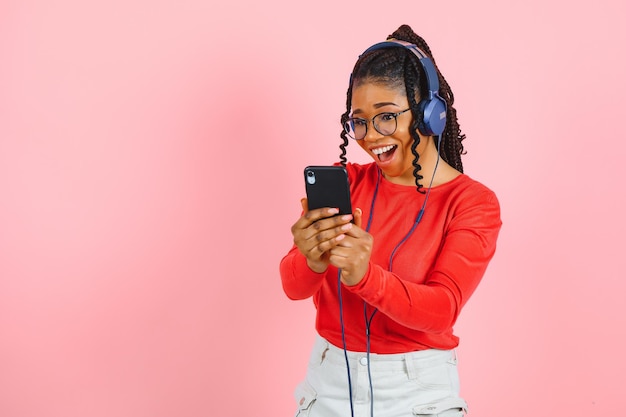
column 395, row 116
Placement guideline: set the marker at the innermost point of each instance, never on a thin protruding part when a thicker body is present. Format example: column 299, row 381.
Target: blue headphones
column 433, row 107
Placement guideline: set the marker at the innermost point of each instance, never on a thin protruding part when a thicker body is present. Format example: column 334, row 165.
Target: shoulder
column 466, row 199
column 463, row 187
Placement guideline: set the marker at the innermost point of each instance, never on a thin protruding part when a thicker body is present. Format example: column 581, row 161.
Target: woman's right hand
column 318, row 231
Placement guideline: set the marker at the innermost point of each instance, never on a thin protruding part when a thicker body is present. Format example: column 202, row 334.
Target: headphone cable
column 368, row 320
column 343, row 338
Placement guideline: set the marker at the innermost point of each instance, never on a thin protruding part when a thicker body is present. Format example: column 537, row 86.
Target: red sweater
column 433, row 273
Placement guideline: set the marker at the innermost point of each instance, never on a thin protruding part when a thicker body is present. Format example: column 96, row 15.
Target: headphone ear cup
column 433, row 116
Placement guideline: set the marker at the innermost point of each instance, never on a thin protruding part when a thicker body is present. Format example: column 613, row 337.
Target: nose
column 372, row 135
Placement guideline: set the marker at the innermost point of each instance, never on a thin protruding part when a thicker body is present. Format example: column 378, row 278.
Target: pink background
column 151, row 157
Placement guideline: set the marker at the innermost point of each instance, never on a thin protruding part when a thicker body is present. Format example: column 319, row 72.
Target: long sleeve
column 415, row 288
column 434, row 305
column 299, row 281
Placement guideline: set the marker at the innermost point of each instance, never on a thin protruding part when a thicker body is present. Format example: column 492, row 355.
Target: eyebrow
column 377, row 106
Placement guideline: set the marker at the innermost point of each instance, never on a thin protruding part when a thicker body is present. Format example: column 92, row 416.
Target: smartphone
column 328, row 186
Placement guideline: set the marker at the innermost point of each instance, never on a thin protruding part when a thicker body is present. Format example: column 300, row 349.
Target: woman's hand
column 317, row 232
column 352, row 253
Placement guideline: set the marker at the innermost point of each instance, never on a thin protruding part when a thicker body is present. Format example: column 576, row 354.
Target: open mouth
column 385, row 153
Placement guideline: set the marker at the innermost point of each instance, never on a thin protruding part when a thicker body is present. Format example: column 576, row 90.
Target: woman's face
column 392, row 153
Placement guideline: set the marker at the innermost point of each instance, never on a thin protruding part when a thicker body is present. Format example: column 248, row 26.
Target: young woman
column 390, row 280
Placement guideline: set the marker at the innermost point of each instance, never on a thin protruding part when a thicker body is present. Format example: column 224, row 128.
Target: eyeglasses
column 384, row 123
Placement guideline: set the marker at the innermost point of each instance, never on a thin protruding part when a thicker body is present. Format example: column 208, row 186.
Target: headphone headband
column 433, row 107
column 427, row 63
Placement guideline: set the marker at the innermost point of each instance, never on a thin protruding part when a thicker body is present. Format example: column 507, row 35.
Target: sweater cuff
column 362, row 287
column 303, row 269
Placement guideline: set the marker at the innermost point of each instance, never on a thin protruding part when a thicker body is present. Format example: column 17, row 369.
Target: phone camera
column 310, row 177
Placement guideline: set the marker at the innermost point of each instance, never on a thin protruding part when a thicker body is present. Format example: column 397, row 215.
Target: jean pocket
column 305, row 396
column 448, row 407
column 438, row 377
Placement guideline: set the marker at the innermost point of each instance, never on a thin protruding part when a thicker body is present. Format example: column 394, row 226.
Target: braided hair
column 399, row 68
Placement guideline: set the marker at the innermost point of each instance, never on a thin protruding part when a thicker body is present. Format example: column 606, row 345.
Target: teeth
column 384, row 149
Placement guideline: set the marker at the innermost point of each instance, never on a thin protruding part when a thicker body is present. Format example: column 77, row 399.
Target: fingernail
column 346, row 217
column 333, row 211
column 340, row 237
column 346, row 226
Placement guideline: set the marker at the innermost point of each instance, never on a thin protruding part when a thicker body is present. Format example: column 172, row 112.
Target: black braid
column 411, row 81
column 397, row 67
column 344, row 136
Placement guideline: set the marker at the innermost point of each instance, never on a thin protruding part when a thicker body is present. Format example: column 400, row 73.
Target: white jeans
column 422, row 383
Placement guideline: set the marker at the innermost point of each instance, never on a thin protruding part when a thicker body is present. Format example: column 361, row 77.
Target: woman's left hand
column 352, row 254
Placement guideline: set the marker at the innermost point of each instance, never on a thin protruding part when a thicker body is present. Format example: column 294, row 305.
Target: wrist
column 317, row 267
